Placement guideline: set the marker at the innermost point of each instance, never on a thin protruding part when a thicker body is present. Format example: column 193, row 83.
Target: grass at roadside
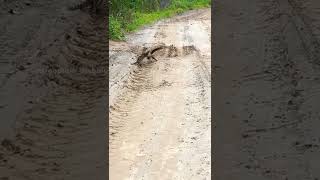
column 135, row 18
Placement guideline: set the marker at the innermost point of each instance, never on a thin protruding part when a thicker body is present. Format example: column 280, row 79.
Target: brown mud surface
column 266, row 89
column 160, row 113
column 53, row 88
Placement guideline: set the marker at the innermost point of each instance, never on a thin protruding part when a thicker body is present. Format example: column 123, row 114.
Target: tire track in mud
column 136, row 82
column 55, row 135
column 278, row 71
column 139, row 80
column 284, row 67
column 275, row 69
column 125, row 111
column 310, row 41
column 129, row 110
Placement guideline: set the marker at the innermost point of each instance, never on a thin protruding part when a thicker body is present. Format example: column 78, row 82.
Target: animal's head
column 144, row 49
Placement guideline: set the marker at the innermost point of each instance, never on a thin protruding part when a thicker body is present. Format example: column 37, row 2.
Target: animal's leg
column 154, row 58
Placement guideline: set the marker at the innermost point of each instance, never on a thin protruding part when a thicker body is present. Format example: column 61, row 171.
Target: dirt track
column 160, row 120
column 51, row 115
column 266, row 89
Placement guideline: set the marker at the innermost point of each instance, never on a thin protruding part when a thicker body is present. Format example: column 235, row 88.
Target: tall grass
column 128, row 15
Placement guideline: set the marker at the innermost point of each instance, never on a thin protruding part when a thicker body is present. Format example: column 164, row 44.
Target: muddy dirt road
column 160, row 113
column 266, row 95
column 53, row 92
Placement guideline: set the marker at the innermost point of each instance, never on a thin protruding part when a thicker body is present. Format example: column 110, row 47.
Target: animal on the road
column 149, row 53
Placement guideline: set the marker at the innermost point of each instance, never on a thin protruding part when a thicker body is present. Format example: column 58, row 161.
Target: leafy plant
column 129, row 15
column 115, row 29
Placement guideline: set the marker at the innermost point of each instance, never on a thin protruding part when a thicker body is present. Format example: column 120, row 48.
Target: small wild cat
column 149, row 52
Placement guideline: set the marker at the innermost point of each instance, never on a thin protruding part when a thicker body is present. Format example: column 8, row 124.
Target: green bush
column 115, row 29
column 129, row 15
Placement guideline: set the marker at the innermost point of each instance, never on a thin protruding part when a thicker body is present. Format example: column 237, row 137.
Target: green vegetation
column 128, row 15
